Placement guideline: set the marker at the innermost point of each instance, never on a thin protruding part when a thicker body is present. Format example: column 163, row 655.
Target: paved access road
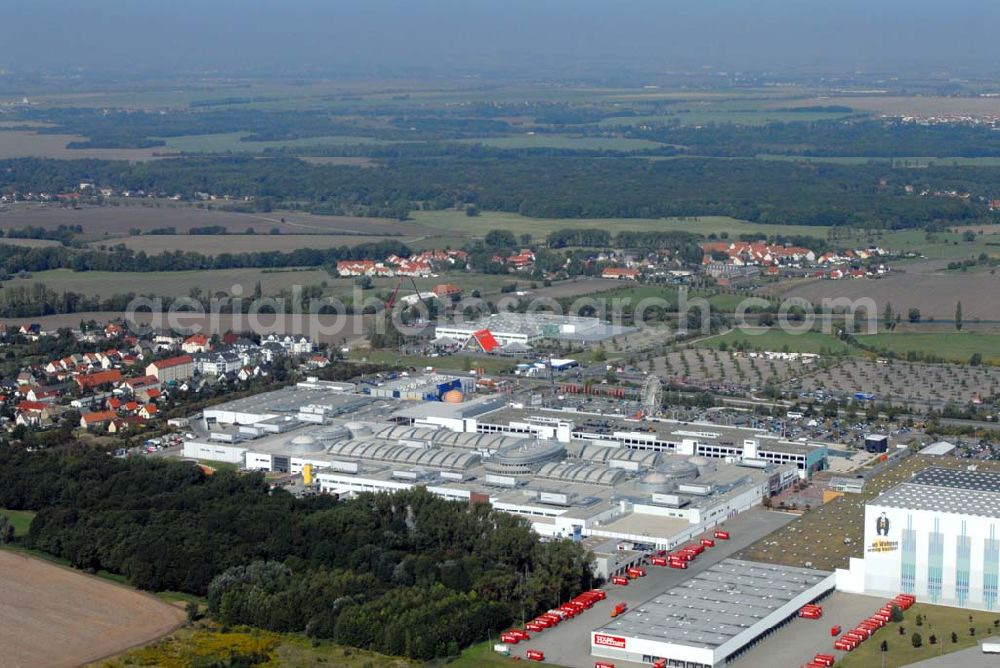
column 569, row 643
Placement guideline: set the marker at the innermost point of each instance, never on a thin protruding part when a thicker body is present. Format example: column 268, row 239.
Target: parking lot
column 569, row 643
column 796, row 643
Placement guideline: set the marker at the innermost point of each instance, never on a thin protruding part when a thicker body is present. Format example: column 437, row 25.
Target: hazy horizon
column 524, row 38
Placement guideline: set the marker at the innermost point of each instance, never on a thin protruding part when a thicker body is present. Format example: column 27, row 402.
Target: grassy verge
column 207, row 645
column 219, row 466
column 483, row 655
column 937, row 621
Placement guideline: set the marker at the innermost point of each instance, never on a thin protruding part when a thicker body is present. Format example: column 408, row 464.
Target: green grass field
column 21, row 519
column 777, row 340
column 226, row 142
column 955, row 346
column 938, row 621
column 577, row 143
column 169, row 283
column 941, row 246
column 456, row 222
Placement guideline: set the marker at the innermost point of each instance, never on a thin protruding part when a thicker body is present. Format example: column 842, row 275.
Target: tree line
column 16, row 259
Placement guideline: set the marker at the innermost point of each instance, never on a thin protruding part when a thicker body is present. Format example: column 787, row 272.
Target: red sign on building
column 609, row 641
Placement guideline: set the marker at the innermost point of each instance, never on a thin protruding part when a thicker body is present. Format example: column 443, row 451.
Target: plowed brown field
column 53, row 616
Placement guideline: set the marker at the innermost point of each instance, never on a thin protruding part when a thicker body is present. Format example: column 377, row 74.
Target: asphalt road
column 569, row 643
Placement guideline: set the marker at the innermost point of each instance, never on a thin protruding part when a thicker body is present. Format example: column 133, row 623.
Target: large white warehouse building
column 937, row 537
column 712, row 618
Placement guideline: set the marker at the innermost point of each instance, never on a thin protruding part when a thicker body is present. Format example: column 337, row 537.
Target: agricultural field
column 170, row 283
column 329, row 329
column 713, row 368
column 230, row 142
column 350, row 161
column 569, row 142
column 899, row 162
column 29, row 243
column 951, row 345
column 112, row 221
column 935, row 294
column 905, row 382
column 712, row 113
column 458, row 222
column 917, row 105
column 55, row 616
column 30, row 144
column 244, row 243
column 776, row 340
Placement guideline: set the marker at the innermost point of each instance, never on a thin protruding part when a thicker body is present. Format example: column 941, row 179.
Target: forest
column 407, row 574
column 874, row 195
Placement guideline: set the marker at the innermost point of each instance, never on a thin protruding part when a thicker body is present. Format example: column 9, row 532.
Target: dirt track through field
column 53, row 616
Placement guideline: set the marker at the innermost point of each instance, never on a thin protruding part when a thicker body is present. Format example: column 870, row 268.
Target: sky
column 523, row 38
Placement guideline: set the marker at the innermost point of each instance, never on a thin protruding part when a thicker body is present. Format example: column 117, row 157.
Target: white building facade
column 936, row 537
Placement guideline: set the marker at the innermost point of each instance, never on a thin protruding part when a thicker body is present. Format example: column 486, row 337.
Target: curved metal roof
column 470, row 440
column 400, row 454
column 602, row 454
column 584, row 473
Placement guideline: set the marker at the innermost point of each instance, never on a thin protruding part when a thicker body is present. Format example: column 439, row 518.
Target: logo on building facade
column 882, row 526
column 609, row 641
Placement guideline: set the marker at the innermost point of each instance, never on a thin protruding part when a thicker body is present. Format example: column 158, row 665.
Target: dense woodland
column 407, row 573
column 869, row 195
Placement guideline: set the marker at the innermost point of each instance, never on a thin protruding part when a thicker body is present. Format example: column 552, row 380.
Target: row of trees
column 407, row 573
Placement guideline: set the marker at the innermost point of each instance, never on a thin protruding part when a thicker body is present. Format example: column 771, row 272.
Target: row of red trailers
column 811, row 611
column 821, row 661
column 630, row 574
column 867, row 628
column 574, row 607
column 688, row 553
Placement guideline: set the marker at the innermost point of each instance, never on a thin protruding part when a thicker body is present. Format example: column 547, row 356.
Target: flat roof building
column 566, row 487
column 686, row 438
column 712, row 617
column 527, row 329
